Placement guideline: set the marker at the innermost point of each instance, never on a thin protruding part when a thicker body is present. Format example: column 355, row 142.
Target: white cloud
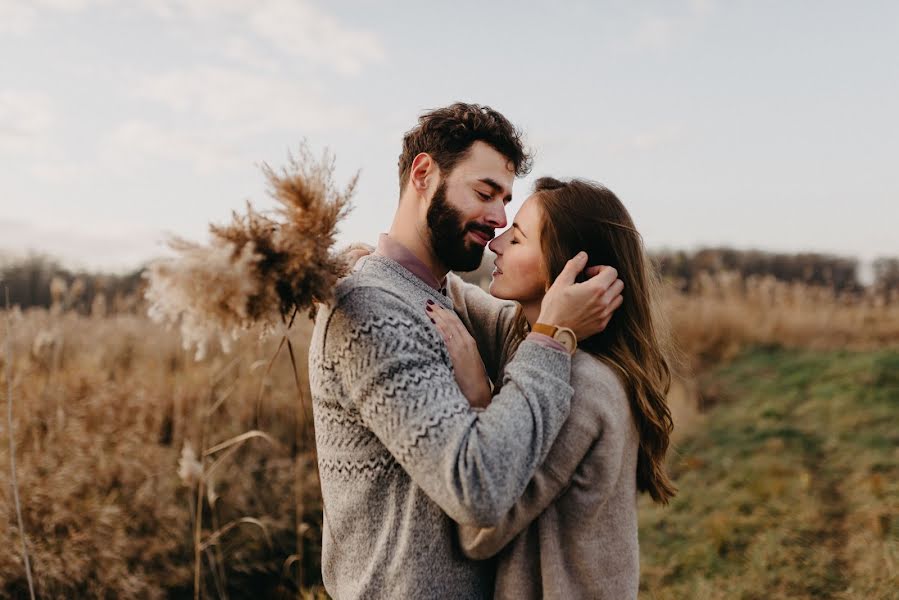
column 301, row 29
column 223, row 106
column 242, row 51
column 26, row 119
column 656, row 31
column 660, row 31
column 244, row 102
column 296, row 27
column 657, row 138
column 71, row 6
column 702, row 7
column 65, row 171
column 16, row 17
column 19, row 16
column 131, row 143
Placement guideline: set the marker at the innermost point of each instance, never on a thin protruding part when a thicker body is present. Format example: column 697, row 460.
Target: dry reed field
column 143, row 473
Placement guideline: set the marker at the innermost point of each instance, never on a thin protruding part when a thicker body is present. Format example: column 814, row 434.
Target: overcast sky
column 748, row 123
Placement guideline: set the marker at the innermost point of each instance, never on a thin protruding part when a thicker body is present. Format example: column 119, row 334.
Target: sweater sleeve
column 396, row 373
column 580, row 434
column 489, row 320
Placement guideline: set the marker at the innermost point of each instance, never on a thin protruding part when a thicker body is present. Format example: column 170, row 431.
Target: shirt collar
column 398, row 252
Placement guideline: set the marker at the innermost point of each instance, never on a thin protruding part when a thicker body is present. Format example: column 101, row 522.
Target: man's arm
column 480, row 543
column 575, row 441
column 396, row 373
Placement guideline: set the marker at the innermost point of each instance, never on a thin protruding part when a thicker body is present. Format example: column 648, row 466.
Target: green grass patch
column 788, row 488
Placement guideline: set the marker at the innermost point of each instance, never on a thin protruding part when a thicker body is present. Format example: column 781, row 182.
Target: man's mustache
column 488, row 231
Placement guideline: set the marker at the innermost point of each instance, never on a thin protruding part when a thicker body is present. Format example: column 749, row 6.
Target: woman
column 573, row 534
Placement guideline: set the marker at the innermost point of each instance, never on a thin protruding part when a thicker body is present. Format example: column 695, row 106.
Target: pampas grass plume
column 259, row 269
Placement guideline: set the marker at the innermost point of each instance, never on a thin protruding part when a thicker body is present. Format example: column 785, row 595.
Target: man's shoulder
column 363, row 290
column 365, row 315
column 366, row 304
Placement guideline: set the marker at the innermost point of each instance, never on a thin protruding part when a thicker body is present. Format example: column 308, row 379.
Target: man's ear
column 423, row 172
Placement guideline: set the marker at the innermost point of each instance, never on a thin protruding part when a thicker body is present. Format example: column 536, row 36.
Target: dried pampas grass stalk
column 260, row 269
column 12, row 444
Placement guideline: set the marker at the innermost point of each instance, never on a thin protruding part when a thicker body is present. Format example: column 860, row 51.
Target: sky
column 751, row 124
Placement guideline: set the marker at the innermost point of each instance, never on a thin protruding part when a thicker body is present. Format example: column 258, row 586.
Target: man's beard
column 448, row 234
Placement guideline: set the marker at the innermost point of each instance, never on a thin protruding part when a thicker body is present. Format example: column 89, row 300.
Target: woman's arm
column 490, row 321
column 468, row 368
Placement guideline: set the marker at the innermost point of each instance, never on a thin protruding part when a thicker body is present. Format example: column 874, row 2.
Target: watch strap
column 545, row 329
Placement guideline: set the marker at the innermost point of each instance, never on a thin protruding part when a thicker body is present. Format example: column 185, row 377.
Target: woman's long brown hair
column 582, row 215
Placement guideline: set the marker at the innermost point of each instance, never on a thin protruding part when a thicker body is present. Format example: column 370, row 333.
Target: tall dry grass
column 105, row 409
column 725, row 313
column 113, row 419
column 10, row 427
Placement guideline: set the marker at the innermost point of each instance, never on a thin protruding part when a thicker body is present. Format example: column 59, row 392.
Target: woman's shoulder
column 458, row 287
column 588, row 370
column 477, row 305
column 598, row 388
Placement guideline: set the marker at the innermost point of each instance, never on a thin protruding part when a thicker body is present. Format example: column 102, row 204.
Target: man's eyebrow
column 496, row 187
column 516, row 226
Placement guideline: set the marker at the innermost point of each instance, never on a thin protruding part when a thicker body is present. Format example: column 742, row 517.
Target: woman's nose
column 494, row 245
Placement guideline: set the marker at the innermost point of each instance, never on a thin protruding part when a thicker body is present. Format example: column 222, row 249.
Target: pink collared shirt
column 398, row 252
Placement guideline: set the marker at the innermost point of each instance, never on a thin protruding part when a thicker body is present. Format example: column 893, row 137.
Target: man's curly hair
column 448, row 133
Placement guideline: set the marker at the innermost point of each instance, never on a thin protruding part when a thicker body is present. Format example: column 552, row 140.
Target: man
column 401, row 452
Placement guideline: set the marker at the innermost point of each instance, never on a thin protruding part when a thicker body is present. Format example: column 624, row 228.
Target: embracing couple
column 476, row 445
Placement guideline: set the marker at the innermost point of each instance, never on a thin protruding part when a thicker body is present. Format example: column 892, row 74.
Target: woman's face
column 520, row 273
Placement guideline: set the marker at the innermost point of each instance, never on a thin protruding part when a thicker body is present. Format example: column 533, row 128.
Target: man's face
column 468, row 206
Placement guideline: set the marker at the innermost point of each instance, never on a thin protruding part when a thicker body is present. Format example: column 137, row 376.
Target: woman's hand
column 467, row 364
column 584, row 307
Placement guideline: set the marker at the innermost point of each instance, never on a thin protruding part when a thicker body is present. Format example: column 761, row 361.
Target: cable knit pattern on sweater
column 401, row 454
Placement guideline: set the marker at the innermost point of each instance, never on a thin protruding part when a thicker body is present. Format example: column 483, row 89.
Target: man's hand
column 587, row 307
column 351, row 254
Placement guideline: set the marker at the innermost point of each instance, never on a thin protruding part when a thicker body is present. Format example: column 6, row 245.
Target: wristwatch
column 563, row 335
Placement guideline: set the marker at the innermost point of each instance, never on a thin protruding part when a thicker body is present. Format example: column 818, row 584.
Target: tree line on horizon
column 40, row 281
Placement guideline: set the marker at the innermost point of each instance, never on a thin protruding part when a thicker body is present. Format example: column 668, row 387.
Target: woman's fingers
column 613, row 292
column 442, row 329
column 448, row 324
column 611, row 308
column 433, row 311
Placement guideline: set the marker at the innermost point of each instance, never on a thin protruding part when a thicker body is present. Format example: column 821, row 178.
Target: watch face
column 567, row 339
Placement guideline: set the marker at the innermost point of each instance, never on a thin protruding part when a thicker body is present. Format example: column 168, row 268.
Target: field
column 789, row 483
column 786, row 455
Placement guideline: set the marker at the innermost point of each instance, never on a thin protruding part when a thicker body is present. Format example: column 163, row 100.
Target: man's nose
column 496, row 215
